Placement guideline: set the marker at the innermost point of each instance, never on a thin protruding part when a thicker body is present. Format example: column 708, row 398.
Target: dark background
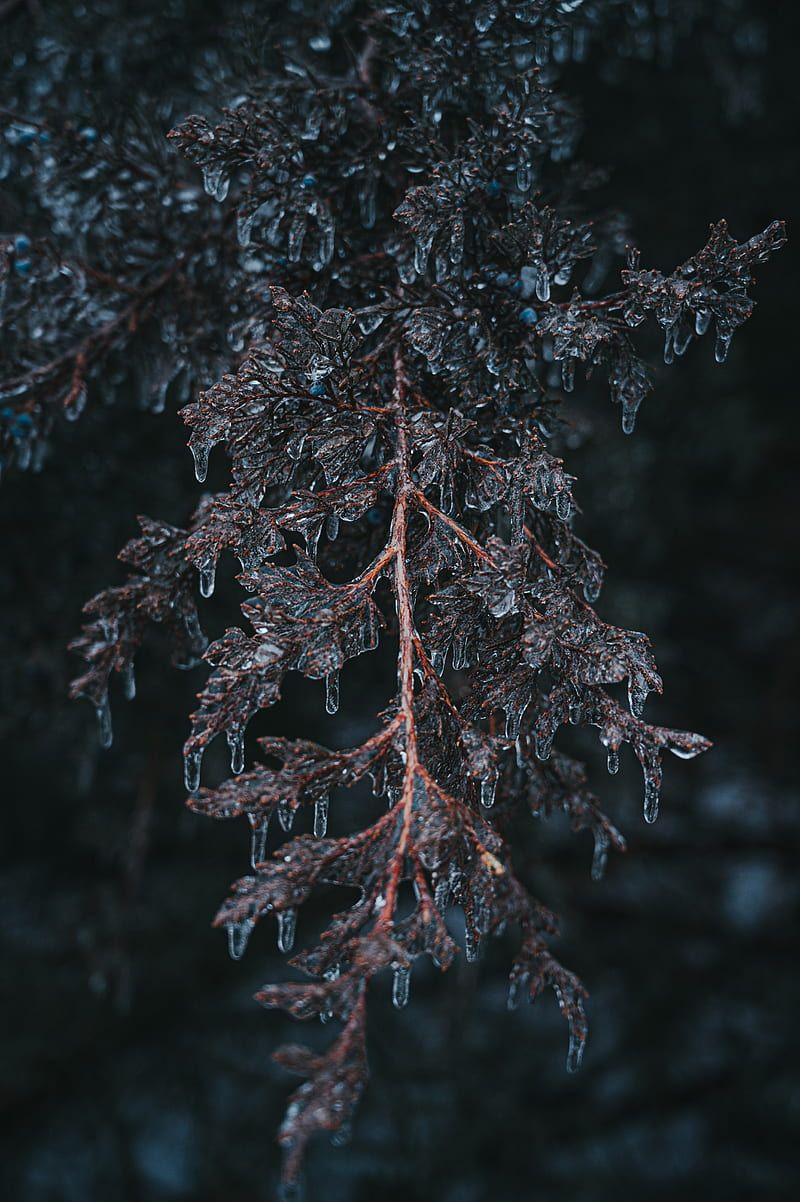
column 134, row 1064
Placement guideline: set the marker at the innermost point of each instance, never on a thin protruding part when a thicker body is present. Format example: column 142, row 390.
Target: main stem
column 406, row 631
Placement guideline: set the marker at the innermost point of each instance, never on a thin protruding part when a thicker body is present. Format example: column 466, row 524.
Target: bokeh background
column 134, row 1065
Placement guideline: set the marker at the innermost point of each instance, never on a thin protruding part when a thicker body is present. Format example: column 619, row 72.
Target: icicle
column 244, row 227
column 575, row 714
column 577, row 1043
column 287, row 923
column 471, row 945
column 543, row 285
column 519, row 752
column 437, row 661
column 208, row 578
column 215, row 181
column 591, row 589
column 524, row 179
column 332, row 526
column 513, row 720
column 200, row 455
column 568, row 374
column 543, row 746
column 652, row 794
column 259, row 829
column 629, row 411
column 77, row 405
column 600, row 854
column 321, row 817
column 103, row 711
column 702, row 320
column 238, row 937
column 441, row 895
column 297, row 233
column 612, row 761
column 192, row 763
column 285, row 816
column 129, row 682
column 367, row 204
column 401, row 984
column 514, row 985
column 669, row 343
column 485, row 16
column 563, row 505
column 235, row 737
column 722, row 345
column 422, row 248
column 368, row 321
column 459, row 653
column 327, row 239
column 332, row 691
column 637, row 696
column 488, row 789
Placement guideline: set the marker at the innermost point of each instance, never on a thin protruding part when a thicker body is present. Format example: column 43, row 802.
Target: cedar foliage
column 413, row 278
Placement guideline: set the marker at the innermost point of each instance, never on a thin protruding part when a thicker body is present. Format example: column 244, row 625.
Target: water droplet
column 332, row 526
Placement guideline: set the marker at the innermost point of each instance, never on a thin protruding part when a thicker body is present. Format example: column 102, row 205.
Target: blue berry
column 21, row 243
column 318, row 389
column 494, row 187
column 22, row 266
column 309, row 181
column 529, row 316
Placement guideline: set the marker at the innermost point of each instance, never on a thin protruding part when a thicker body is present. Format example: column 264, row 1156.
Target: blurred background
column 134, row 1065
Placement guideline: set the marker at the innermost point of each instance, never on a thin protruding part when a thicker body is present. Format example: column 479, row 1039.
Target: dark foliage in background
column 131, row 300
